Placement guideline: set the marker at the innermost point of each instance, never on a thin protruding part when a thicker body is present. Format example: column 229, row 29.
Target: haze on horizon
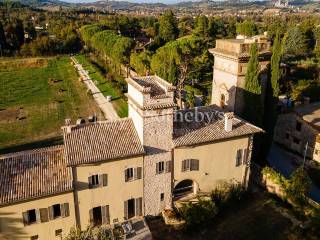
column 137, row 1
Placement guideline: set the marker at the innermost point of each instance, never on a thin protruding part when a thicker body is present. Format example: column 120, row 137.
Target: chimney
column 228, row 118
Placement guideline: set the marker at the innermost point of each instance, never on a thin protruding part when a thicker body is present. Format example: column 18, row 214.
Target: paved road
column 283, row 162
column 105, row 106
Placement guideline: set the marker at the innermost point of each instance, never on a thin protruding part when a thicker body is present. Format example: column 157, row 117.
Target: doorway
column 131, row 208
column 97, row 216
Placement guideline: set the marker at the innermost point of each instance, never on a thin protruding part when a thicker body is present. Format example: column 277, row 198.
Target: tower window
column 162, row 197
column 222, row 101
column 160, row 167
column 298, row 126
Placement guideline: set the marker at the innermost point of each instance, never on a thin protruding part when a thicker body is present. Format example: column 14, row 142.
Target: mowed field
column 36, row 96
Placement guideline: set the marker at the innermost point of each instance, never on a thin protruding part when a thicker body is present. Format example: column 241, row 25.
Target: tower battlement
column 150, row 92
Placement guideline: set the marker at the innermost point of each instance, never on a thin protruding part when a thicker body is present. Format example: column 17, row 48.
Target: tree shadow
column 11, row 227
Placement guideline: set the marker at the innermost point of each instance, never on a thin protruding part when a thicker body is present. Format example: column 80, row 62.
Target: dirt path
column 105, row 106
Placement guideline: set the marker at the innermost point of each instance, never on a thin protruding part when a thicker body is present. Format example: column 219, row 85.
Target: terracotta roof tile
column 101, row 141
column 191, row 132
column 33, row 174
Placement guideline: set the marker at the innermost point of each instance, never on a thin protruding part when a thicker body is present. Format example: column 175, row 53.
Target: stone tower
column 151, row 106
column 231, row 58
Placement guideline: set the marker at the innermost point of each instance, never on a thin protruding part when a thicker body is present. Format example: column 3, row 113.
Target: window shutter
column 138, row 203
column 183, row 166
column 157, row 168
column 44, row 217
column 25, row 218
column 168, row 166
column 38, row 218
column 194, row 165
column 134, row 173
column 65, row 210
column 125, row 210
column 105, row 214
column 91, row 217
column 105, row 179
column 238, row 158
column 139, row 172
column 50, row 211
column 245, row 156
column 188, row 163
column 90, row 181
column 100, row 177
column 126, row 175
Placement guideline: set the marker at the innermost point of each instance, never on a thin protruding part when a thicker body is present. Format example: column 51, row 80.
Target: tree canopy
column 247, row 28
column 168, row 26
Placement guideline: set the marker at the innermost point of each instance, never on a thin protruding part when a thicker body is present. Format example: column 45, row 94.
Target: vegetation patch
column 36, row 97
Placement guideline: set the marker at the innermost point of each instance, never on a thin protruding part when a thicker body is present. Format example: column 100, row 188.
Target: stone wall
column 286, row 134
column 158, row 130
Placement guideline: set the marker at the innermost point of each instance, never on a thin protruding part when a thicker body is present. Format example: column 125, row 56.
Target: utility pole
column 305, row 153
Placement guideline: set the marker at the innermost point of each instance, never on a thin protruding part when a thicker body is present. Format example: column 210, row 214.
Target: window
column 58, row 233
column 93, row 181
column 162, row 197
column 239, row 158
column 98, row 180
column 296, row 140
column 31, row 217
column 35, row 237
column 287, row 135
column 132, row 207
column 160, row 167
column 190, row 165
column 56, row 211
column 298, row 126
column 131, row 174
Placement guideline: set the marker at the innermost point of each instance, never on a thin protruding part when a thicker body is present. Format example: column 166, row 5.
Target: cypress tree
column 271, row 101
column 275, row 65
column 252, row 90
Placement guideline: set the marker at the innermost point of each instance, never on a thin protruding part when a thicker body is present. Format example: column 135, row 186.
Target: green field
column 105, row 86
column 36, row 96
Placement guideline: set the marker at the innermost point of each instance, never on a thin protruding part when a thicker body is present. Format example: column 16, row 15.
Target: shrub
column 197, row 214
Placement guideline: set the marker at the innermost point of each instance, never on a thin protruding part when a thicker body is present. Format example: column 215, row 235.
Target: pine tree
column 252, row 90
column 168, row 27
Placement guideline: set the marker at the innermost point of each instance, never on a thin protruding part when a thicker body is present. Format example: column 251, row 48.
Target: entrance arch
column 185, row 187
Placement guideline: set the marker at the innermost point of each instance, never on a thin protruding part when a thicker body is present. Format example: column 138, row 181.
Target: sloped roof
column 310, row 113
column 95, row 142
column 191, row 131
column 32, row 174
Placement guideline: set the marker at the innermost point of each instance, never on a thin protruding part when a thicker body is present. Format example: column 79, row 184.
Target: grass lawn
column 255, row 218
column 36, row 96
column 105, row 86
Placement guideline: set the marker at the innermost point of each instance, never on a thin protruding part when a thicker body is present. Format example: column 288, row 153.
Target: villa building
column 300, row 127
column 231, row 57
column 111, row 171
column 108, row 172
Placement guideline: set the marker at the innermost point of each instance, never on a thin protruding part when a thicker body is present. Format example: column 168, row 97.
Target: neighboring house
column 231, row 57
column 298, row 127
column 111, row 171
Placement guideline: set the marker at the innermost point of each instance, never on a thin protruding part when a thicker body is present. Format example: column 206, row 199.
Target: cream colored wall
column 11, row 221
column 114, row 194
column 217, row 163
